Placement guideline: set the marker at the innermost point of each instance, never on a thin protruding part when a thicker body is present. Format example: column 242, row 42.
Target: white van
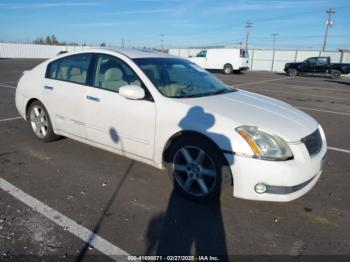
column 226, row 59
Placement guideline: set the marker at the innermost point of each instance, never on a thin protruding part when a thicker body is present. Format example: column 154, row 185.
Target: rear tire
column 197, row 169
column 335, row 74
column 292, row 72
column 40, row 122
column 228, row 69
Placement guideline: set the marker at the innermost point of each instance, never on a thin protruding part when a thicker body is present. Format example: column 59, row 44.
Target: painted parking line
column 66, row 223
column 303, row 87
column 304, row 95
column 324, row 111
column 8, row 83
column 10, row 119
column 13, row 87
column 263, row 81
column 339, row 149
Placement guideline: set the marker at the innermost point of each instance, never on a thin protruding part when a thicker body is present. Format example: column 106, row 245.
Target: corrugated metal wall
column 269, row 60
column 10, row 50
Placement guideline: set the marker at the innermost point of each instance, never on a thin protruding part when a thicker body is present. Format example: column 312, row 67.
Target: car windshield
column 179, row 78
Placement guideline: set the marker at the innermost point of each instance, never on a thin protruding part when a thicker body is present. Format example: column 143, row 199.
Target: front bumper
column 284, row 180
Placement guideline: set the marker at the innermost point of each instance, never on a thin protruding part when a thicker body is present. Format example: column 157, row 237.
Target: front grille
column 313, row 142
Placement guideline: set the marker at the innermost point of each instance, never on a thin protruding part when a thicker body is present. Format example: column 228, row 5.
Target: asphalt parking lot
column 130, row 206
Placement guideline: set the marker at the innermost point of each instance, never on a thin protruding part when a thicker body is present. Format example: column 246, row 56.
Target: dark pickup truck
column 317, row 65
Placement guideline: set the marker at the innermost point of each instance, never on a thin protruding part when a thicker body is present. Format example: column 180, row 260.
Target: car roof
column 129, row 52
column 141, row 53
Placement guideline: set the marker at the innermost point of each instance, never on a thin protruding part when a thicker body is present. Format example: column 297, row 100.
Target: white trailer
column 226, row 59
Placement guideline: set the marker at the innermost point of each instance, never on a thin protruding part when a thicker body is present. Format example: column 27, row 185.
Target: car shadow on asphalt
column 187, row 227
column 219, row 71
column 306, row 75
column 83, row 252
column 339, row 82
column 106, row 209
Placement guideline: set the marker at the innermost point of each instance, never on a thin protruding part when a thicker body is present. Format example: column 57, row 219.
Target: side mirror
column 132, row 92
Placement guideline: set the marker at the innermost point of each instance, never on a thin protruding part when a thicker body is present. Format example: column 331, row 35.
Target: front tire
column 335, row 74
column 292, row 72
column 197, row 169
column 40, row 122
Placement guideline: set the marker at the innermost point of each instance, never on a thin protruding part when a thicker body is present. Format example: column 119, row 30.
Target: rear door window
column 322, row 61
column 72, row 68
column 52, row 70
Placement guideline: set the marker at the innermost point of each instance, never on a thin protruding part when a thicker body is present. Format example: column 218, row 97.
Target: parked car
column 225, row 59
column 169, row 113
column 317, row 65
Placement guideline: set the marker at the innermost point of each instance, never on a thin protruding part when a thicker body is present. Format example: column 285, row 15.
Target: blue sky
column 299, row 23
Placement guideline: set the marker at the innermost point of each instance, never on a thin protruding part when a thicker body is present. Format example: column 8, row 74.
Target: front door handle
column 48, row 87
column 95, row 99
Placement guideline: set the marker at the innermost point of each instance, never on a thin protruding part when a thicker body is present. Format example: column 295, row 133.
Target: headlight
column 264, row 145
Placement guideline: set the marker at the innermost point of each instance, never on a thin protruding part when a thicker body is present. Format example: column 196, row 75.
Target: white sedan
column 168, row 112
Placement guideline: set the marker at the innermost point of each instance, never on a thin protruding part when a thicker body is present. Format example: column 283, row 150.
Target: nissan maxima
column 167, row 112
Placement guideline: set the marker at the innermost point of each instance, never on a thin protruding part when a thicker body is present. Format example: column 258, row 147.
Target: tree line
column 52, row 40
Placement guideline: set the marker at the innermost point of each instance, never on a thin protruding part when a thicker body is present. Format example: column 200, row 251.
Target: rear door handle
column 48, row 87
column 95, row 99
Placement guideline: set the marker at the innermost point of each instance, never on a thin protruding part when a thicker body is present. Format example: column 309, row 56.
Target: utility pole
column 162, row 42
column 248, row 27
column 329, row 23
column 274, row 40
column 123, row 43
column 274, row 35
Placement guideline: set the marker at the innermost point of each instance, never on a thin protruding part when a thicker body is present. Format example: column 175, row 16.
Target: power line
column 298, row 37
column 329, row 23
column 228, row 26
column 261, row 40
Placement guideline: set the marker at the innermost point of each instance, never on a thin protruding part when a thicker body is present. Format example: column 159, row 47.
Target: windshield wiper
column 189, row 95
column 222, row 91
column 217, row 92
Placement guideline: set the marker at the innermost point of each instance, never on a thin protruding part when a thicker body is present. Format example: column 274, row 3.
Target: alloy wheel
column 38, row 121
column 194, row 171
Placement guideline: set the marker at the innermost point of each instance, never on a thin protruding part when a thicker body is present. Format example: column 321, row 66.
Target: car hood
column 247, row 108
